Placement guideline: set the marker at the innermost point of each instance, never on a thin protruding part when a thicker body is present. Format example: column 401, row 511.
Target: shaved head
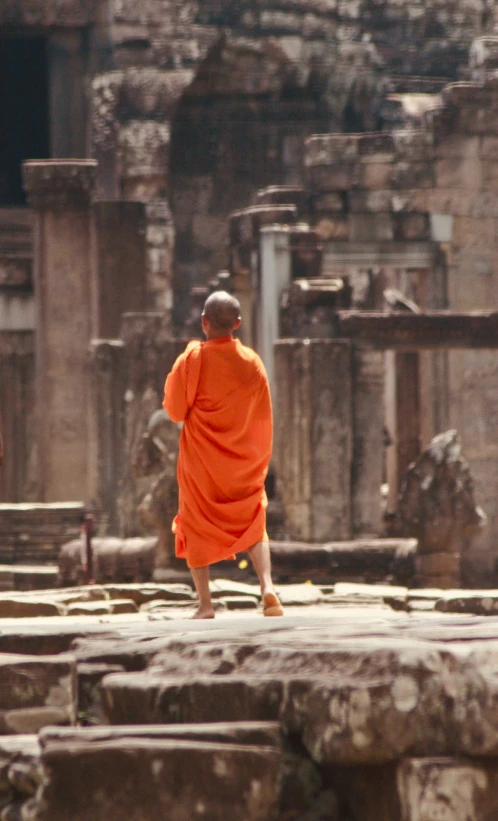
column 222, row 311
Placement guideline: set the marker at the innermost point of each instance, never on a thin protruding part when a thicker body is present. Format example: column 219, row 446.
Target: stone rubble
column 356, row 706
column 36, row 691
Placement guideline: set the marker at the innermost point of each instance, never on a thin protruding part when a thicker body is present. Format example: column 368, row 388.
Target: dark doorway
column 24, row 124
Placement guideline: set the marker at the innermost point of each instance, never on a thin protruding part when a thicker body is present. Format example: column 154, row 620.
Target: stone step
column 28, row 577
column 146, row 778
column 36, row 691
column 144, row 698
column 253, row 733
column 433, row 786
column 298, row 787
column 447, row 788
column 16, row 233
column 14, row 514
column 35, row 533
column 360, row 560
column 356, row 701
column 20, row 773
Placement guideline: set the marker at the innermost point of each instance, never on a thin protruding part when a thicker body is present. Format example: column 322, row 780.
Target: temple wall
column 422, row 37
column 388, row 197
column 211, row 101
column 18, row 476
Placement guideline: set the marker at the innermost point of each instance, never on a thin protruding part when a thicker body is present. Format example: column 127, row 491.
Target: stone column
column 408, row 423
column 368, row 441
column 275, row 276
column 245, row 292
column 107, row 406
column 313, row 437
column 122, row 266
column 65, row 286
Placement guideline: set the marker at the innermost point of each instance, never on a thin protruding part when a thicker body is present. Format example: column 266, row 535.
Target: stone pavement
column 363, row 703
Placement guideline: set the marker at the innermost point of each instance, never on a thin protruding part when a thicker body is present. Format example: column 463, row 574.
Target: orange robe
column 219, row 389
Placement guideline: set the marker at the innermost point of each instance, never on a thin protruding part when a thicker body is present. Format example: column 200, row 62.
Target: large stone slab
column 300, row 787
column 89, row 701
column 447, row 788
column 143, row 593
column 27, row 577
column 114, row 560
column 20, row 774
column 299, row 595
column 378, row 706
column 15, row 607
column 145, row 699
column 141, row 779
column 352, row 699
column 34, row 533
column 228, row 587
column 359, row 560
column 102, row 607
column 480, row 602
column 35, row 692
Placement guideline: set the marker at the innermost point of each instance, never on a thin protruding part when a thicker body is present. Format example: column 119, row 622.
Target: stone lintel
column 69, row 14
column 430, row 330
column 409, row 254
column 138, row 323
column 56, row 184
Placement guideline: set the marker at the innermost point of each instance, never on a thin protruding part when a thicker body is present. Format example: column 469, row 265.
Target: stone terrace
column 364, row 703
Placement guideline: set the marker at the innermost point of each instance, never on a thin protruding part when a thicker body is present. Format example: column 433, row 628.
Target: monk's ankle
column 203, row 613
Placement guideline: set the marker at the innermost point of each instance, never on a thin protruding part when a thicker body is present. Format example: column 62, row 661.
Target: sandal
column 271, row 605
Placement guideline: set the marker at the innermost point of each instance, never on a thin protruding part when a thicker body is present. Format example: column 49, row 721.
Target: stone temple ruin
column 335, row 166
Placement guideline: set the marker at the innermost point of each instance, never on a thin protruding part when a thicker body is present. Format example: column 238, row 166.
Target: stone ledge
column 58, row 184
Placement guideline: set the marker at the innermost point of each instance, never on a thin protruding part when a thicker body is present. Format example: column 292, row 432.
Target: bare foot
column 203, row 613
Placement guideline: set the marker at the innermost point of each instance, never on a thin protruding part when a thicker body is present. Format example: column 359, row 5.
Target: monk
column 219, row 390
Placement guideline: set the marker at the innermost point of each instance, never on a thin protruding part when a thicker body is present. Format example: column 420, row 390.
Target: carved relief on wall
column 154, row 464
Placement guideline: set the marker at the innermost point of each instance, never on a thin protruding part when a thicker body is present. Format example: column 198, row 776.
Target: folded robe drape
column 219, row 390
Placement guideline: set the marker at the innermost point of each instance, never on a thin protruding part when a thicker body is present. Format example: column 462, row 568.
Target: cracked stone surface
column 355, row 706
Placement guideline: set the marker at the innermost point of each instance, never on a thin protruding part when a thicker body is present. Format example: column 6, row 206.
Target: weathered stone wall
column 266, row 75
column 148, row 355
column 466, row 168
column 121, row 263
column 18, row 474
column 425, row 202
column 422, row 37
column 240, row 127
column 33, row 534
column 245, row 84
column 131, row 125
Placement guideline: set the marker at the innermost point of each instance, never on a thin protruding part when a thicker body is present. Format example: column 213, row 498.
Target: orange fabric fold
column 219, row 390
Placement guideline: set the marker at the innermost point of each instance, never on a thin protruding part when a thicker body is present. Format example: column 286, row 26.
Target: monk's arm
column 175, row 391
